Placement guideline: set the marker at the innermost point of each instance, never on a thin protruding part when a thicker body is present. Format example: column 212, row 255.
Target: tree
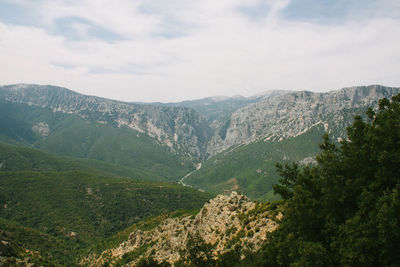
column 197, row 252
column 345, row 210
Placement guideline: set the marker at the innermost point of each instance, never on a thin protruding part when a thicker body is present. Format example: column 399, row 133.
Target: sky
column 169, row 51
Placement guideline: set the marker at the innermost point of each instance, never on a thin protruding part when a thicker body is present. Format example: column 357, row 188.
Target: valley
column 94, row 181
column 236, row 140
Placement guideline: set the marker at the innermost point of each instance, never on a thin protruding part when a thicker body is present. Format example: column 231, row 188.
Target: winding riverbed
column 182, row 180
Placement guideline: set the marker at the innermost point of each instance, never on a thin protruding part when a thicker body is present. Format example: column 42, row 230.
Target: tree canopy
column 345, row 210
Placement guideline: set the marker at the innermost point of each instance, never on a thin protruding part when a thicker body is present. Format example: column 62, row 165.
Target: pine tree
column 345, row 210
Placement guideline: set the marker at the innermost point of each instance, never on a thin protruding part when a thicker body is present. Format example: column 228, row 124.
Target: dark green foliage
column 344, row 211
column 197, row 252
column 81, row 208
column 230, row 258
column 18, row 242
column 150, row 262
column 14, row 127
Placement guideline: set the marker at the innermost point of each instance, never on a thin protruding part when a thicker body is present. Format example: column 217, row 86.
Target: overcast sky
column 171, row 50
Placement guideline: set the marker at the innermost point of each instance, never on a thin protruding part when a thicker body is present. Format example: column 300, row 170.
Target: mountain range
column 93, row 181
column 236, row 139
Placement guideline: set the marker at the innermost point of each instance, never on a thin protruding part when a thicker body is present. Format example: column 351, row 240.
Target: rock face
column 216, row 110
column 180, row 128
column 224, row 221
column 205, row 127
column 293, row 114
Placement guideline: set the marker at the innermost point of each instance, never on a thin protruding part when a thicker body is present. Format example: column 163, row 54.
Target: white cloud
column 214, row 49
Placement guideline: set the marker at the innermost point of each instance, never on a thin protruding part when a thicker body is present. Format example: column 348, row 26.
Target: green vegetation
column 80, row 208
column 18, row 242
column 144, row 225
column 251, row 168
column 344, row 211
column 120, row 146
column 70, row 135
column 19, row 158
column 196, row 253
column 91, row 206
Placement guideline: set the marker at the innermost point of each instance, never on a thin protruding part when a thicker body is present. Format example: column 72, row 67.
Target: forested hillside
column 55, row 207
column 342, row 211
column 345, row 210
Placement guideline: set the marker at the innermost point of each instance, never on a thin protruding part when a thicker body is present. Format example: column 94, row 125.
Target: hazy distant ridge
column 205, row 127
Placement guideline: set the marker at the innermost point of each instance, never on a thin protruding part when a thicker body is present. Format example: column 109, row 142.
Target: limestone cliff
column 292, row 114
column 181, row 129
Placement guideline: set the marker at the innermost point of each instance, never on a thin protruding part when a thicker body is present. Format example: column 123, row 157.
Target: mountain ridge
column 292, row 114
column 205, row 127
column 172, row 140
column 167, row 125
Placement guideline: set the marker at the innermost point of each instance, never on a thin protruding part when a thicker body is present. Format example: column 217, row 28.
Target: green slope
column 22, row 243
column 70, row 135
column 92, row 206
column 19, row 158
column 120, row 146
column 52, row 207
column 251, row 168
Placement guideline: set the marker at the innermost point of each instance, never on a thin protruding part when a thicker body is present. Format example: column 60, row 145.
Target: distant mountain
column 78, row 188
column 179, row 128
column 292, row 114
column 217, row 109
column 283, row 128
column 164, row 141
column 237, row 139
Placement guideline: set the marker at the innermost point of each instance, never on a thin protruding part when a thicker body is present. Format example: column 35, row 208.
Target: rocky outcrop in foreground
column 223, row 222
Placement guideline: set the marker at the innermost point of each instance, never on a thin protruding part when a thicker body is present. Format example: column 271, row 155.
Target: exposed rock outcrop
column 223, row 222
column 289, row 115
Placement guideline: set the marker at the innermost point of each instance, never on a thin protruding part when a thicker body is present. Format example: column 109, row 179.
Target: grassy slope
column 19, row 158
column 72, row 136
column 252, row 167
column 120, row 146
